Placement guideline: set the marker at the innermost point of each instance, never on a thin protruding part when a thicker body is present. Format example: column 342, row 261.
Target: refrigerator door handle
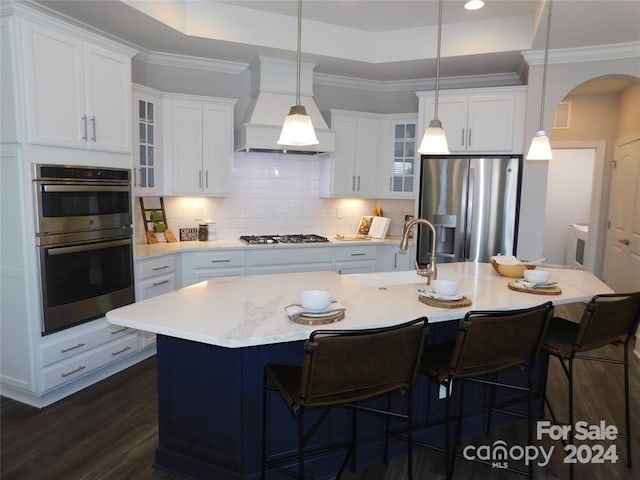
column 468, row 231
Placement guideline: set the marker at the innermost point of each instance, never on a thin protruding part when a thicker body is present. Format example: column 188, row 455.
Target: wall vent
column 561, row 117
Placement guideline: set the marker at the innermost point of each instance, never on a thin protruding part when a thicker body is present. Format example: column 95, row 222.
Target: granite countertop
column 143, row 250
column 245, row 311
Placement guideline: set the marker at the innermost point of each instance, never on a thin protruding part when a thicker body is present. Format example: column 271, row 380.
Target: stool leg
column 354, row 434
column 626, row 402
column 387, row 422
column 409, row 435
column 571, row 421
column 263, row 453
column 530, row 414
column 458, row 436
column 447, row 421
column 492, row 401
column 300, row 444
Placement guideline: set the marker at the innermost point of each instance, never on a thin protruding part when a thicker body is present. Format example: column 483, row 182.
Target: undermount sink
column 387, row 279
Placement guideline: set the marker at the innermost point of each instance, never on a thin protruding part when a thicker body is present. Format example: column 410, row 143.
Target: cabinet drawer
column 77, row 340
column 155, row 286
column 214, row 259
column 281, row 256
column 156, row 266
column 82, row 364
column 356, row 252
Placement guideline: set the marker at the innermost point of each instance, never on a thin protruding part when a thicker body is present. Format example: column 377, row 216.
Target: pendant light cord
column 435, row 112
column 299, row 57
column 544, row 71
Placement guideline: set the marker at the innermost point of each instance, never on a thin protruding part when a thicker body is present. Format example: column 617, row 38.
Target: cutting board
column 432, row 302
column 555, row 290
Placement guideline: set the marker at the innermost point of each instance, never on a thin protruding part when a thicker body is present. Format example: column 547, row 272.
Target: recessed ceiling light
column 474, row 4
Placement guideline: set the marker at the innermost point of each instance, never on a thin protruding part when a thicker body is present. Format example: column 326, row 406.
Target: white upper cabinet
column 483, row 120
column 351, row 170
column 198, row 143
column 397, row 162
column 78, row 94
column 147, row 139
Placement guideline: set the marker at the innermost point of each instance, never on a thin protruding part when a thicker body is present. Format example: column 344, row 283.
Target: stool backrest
column 608, row 318
column 490, row 341
column 342, row 366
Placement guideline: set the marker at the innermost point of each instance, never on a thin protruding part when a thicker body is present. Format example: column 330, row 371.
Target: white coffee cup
column 315, row 300
column 444, row 287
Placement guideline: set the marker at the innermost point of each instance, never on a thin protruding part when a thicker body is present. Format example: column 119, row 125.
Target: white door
column 217, row 148
column 622, row 256
column 186, row 147
column 490, row 123
column 452, row 113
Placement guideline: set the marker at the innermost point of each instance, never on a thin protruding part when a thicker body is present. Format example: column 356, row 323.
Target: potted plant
column 159, row 227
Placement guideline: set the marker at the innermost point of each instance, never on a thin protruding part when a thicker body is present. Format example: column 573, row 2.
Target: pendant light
column 540, row 148
column 297, row 128
column 434, row 140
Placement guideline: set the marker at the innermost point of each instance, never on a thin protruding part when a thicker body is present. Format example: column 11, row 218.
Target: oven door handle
column 85, row 248
column 85, row 188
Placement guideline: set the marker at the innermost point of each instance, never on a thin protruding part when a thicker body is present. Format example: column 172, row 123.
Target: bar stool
column 341, row 367
column 607, row 319
column 487, row 342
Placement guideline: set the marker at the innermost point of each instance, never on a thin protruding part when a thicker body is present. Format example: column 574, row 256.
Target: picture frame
column 364, row 225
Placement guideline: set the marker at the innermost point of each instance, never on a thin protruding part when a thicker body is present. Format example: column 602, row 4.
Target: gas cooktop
column 270, row 239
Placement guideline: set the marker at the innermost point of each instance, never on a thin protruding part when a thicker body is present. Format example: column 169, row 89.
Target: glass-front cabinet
column 399, row 159
column 147, row 172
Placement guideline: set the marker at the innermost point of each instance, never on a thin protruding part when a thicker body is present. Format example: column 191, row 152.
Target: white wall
column 275, row 194
column 570, row 168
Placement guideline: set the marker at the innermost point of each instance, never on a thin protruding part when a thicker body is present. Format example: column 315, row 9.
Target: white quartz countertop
column 142, row 251
column 245, row 311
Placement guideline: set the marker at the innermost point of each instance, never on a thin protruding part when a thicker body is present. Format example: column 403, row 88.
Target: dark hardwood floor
column 109, row 431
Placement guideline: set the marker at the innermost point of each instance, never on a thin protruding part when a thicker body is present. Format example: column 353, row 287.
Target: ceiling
column 377, row 40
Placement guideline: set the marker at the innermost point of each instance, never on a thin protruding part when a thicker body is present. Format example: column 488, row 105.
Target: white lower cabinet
column 355, row 259
column 391, row 258
column 289, row 260
column 200, row 266
column 72, row 353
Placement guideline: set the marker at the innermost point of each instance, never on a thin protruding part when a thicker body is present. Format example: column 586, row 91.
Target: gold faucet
column 431, row 272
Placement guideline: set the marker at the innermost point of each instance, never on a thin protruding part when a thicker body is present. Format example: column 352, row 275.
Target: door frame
column 599, row 208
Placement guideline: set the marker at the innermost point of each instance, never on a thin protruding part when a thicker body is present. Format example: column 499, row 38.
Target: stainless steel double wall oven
column 84, row 242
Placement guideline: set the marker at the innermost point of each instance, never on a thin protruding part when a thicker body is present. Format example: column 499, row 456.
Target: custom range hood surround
column 274, row 91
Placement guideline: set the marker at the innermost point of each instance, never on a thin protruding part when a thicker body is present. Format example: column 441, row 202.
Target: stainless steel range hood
column 274, row 92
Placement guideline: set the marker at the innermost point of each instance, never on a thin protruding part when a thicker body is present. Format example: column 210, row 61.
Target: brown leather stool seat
column 607, row 319
column 341, row 368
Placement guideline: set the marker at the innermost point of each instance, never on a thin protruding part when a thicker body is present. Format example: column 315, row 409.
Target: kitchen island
column 215, row 337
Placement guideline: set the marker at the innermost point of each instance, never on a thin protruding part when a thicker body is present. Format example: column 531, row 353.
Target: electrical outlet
column 338, row 212
column 197, row 214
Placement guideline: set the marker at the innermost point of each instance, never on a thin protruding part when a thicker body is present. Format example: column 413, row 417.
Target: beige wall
column 629, row 115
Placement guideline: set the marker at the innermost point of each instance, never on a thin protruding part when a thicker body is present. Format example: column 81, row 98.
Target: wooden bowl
column 511, row 271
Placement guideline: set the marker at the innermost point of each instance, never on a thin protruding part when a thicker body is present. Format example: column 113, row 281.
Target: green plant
column 158, row 221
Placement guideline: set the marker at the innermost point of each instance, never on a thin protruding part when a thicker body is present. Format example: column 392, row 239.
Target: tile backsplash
column 274, row 194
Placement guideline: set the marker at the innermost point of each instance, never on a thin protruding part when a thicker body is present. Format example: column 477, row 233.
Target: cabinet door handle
column 199, row 178
column 81, row 367
column 206, row 178
column 469, row 144
column 113, row 354
column 65, row 350
column 358, row 182
column 93, row 124
column 155, row 284
column 462, row 143
column 358, row 254
column 391, row 184
column 221, row 261
column 353, row 183
column 115, row 332
column 160, row 268
column 395, row 260
column 135, row 177
column 86, row 132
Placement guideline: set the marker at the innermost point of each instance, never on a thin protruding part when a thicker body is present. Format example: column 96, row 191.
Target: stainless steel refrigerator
column 473, row 203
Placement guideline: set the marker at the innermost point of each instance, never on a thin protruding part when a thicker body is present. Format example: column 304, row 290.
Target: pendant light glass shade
column 434, row 141
column 297, row 128
column 540, row 148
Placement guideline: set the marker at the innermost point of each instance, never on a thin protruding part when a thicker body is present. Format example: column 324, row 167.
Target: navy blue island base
column 210, row 409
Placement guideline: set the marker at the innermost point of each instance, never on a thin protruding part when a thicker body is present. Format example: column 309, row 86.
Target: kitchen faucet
column 431, row 272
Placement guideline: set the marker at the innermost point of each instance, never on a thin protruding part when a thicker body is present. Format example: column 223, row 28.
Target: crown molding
column 615, row 51
column 186, row 61
column 470, row 81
